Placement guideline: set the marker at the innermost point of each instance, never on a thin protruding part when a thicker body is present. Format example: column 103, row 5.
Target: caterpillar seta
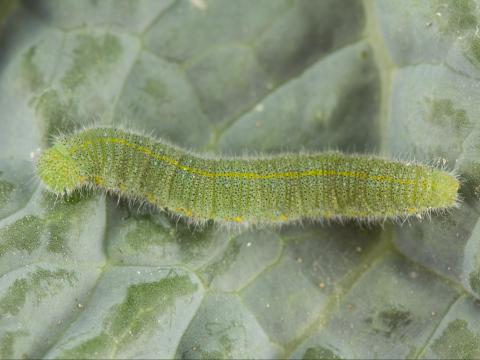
column 247, row 190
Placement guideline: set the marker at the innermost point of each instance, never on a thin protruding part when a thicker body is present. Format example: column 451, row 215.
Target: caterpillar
column 246, row 190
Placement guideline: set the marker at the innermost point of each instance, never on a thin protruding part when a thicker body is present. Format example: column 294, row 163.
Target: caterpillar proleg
column 249, row 190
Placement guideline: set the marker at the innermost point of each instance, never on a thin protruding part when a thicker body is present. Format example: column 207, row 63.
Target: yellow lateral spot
column 186, row 212
column 328, row 214
column 99, row 180
column 236, row 219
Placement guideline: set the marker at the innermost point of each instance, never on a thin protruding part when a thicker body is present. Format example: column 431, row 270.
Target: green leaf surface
column 94, row 277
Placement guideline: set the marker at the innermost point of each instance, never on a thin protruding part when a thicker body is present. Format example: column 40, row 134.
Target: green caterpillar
column 260, row 190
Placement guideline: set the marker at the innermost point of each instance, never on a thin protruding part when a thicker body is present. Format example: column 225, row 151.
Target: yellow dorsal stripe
column 245, row 175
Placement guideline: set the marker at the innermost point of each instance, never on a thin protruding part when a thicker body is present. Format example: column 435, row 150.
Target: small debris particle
column 259, row 107
column 199, row 4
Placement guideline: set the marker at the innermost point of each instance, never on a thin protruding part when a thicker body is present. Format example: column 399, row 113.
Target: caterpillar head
column 59, row 171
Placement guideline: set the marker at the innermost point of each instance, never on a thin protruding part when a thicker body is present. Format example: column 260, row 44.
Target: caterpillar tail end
column 445, row 188
column 58, row 171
